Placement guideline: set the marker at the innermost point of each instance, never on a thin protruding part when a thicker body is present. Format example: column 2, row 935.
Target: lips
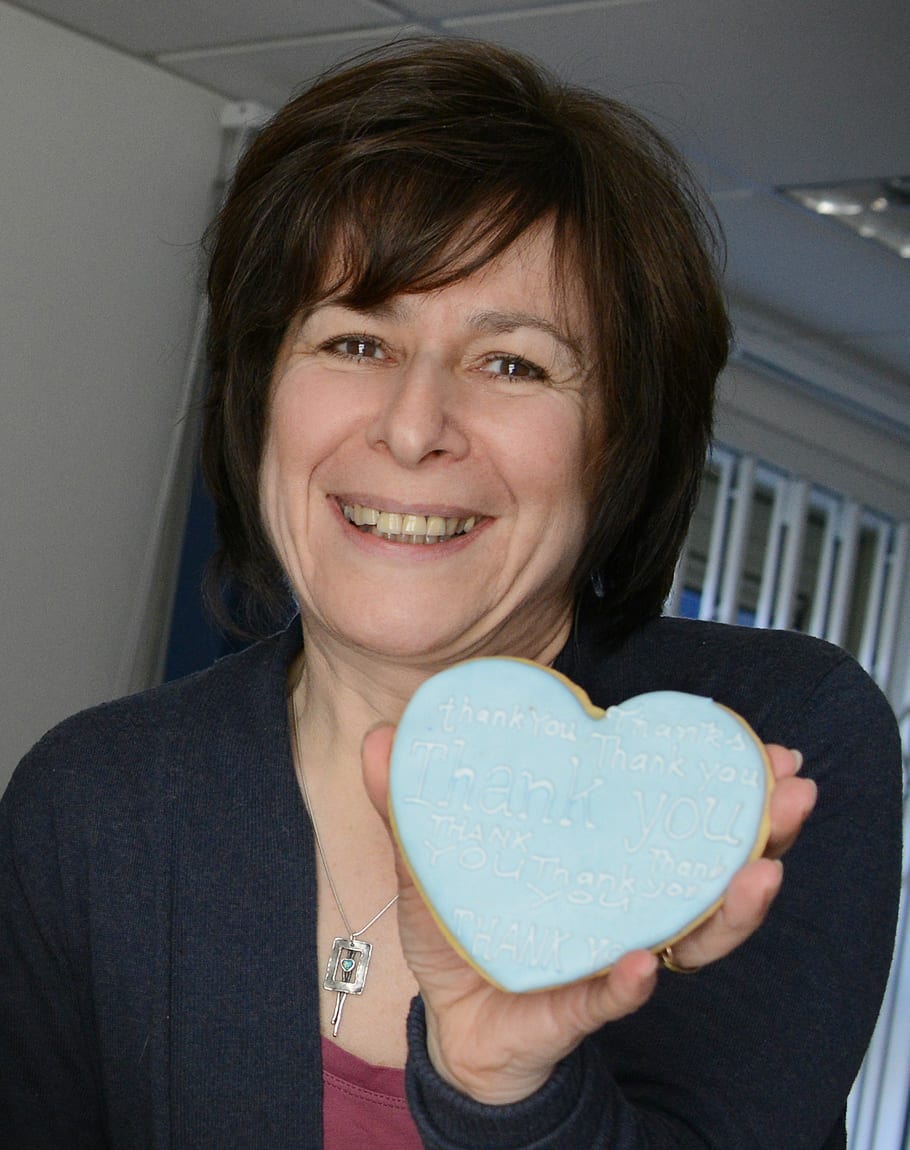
column 408, row 527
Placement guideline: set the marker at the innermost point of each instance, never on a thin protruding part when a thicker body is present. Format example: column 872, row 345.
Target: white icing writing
column 491, row 937
column 502, row 790
column 558, row 815
column 681, row 817
column 516, row 718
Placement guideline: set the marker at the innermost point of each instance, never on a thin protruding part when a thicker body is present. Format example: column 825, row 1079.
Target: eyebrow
column 500, row 322
column 487, row 321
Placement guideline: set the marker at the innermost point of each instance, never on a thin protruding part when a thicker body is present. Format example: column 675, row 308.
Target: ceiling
column 758, row 93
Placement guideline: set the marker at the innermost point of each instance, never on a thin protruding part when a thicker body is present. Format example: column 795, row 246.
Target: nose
column 419, row 416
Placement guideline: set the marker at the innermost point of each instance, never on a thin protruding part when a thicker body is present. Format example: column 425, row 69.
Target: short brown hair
column 422, row 161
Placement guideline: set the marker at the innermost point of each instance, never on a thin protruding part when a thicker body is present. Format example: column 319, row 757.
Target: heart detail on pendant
column 550, row 837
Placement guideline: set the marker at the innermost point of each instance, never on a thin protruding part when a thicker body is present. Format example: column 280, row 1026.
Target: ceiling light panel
column 878, row 210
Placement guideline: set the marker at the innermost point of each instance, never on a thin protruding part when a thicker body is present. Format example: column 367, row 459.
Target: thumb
column 375, row 753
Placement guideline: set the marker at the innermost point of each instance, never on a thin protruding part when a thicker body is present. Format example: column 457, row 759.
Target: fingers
column 627, row 987
column 747, row 901
column 745, row 905
column 784, row 761
column 755, row 886
column 375, row 753
column 791, row 803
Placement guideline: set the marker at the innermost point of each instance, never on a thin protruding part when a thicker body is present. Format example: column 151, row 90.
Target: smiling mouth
column 408, row 527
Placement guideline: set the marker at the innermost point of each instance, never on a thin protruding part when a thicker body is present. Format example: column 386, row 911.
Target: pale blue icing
column 548, row 842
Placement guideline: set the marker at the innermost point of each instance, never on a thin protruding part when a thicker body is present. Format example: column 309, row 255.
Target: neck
column 342, row 692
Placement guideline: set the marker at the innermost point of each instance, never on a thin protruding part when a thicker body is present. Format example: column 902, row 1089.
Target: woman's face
column 422, row 477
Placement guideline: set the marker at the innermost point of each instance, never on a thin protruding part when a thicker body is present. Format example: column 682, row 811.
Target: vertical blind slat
column 821, row 597
column 718, row 534
column 893, row 597
column 736, row 546
column 874, row 599
column 797, row 506
column 767, row 594
column 848, row 539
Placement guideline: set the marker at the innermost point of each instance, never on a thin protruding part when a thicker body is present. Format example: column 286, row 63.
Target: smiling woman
column 434, row 412
column 411, row 172
column 465, row 329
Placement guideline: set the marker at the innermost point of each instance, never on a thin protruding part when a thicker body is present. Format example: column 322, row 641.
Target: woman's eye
column 357, row 347
column 514, row 367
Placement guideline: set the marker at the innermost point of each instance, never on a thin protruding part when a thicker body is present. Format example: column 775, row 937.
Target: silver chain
column 352, row 934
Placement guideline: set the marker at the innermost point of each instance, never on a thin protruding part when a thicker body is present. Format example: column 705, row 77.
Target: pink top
column 364, row 1101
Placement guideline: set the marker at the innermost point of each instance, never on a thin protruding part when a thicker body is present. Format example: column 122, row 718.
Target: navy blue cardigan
column 158, row 968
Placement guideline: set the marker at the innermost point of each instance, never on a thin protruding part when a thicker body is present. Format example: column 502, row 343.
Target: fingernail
column 798, row 758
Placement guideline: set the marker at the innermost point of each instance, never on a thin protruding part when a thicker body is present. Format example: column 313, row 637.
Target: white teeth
column 409, row 527
column 413, row 525
column 389, row 523
column 368, row 516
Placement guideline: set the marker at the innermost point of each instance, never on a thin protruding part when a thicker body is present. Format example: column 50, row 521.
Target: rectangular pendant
column 346, row 972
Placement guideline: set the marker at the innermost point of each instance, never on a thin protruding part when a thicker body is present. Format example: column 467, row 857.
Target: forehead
column 535, row 275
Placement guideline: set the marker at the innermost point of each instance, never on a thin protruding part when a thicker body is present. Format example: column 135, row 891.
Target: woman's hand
column 499, row 1047
column 753, row 888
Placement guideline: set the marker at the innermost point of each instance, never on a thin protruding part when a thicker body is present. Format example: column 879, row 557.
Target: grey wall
column 106, row 170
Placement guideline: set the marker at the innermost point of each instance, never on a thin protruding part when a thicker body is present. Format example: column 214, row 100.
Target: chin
column 409, row 641
column 436, row 625
column 433, row 639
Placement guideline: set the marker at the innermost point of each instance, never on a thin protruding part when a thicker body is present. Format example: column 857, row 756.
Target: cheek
column 547, row 472
column 303, row 426
column 314, row 425
column 570, row 481
column 284, row 463
column 270, row 502
column 562, row 449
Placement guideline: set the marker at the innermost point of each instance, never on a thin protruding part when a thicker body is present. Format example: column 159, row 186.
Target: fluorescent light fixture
column 877, row 210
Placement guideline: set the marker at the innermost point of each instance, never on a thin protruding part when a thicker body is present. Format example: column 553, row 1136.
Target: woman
column 464, row 339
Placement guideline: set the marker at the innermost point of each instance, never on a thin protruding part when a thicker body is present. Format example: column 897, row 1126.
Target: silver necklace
column 346, row 971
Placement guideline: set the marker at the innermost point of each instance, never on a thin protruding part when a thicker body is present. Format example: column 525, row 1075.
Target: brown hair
column 421, row 162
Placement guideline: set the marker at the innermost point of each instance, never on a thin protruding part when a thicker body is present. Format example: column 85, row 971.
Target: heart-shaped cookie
column 550, row 837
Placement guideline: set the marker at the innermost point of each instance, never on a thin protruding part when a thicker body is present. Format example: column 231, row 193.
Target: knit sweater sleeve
column 49, row 1088
column 759, row 1050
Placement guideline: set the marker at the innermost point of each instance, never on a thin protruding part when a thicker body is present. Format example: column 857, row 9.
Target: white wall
column 106, row 170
